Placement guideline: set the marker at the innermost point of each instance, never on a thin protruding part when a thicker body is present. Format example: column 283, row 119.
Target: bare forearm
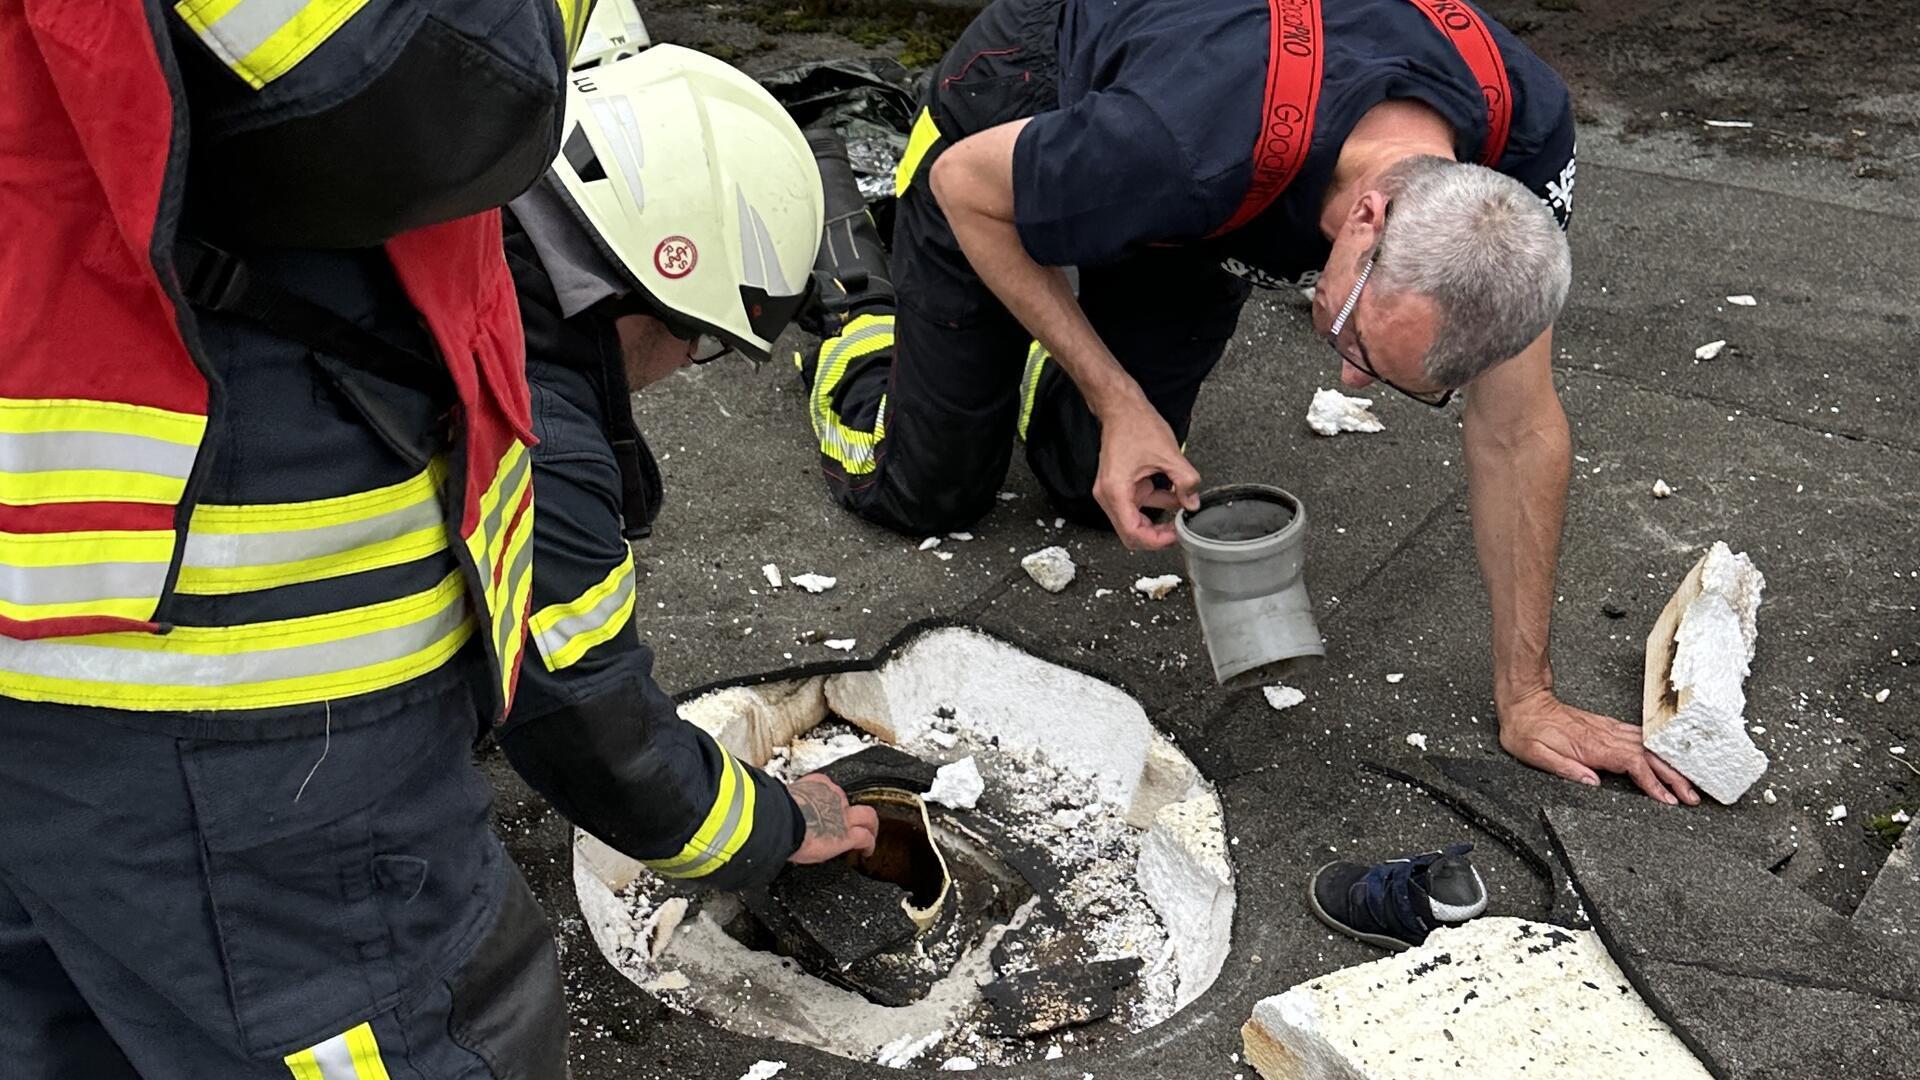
column 973, row 181
column 1518, row 454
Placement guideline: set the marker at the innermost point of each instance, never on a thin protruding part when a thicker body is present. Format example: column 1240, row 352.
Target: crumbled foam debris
column 958, row 785
column 1098, row 593
column 900, row 1053
column 1157, row 588
column 963, row 537
column 1838, row 813
column 1710, row 350
column 1396, row 676
column 814, row 583
column 945, row 740
column 1054, row 1053
column 1883, row 695
column 1006, row 496
column 1051, row 568
column 1900, row 817
column 1332, row 412
column 1730, row 123
column 773, row 575
column 763, row 1070
column 958, row 1064
column 1769, row 797
column 929, row 543
column 842, row 644
column 1417, row 740
column 943, row 556
column 1283, row 696
column 1662, row 489
column 1742, row 300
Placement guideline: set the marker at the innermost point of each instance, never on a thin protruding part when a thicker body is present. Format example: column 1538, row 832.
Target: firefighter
column 628, row 266
column 1409, row 159
column 266, row 546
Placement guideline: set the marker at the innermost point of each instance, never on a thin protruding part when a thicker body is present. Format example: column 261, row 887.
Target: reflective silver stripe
column 335, row 1059
column 759, row 261
column 555, row 638
column 490, row 528
column 621, row 128
column 717, row 850
column 32, row 585
column 507, row 620
column 210, row 551
column 52, row 451
column 71, row 661
column 247, row 26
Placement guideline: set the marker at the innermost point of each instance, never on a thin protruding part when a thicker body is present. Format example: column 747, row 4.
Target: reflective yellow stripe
column 503, row 556
column 31, row 415
column 366, row 1054
column 234, row 549
column 573, row 17
column 255, row 665
column 89, row 485
column 351, row 1055
column 852, row 448
column 725, row 830
column 565, row 632
column 56, row 575
column 304, row 1067
column 509, row 625
column 58, row 450
column 261, row 40
column 1037, row 355
column 919, row 141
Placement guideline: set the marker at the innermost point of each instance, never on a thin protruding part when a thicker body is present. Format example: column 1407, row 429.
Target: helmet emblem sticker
column 675, row 257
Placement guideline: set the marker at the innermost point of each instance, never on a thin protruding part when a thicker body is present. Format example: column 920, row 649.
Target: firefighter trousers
column 329, row 906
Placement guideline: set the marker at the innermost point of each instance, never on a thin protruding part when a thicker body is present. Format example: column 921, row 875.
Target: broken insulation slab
column 1497, row 997
column 1694, row 708
column 1115, row 843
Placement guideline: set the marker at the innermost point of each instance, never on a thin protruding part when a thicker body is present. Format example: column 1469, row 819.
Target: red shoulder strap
column 1469, row 34
column 1294, row 51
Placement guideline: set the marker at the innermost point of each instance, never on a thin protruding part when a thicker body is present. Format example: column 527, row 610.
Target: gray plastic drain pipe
column 1246, row 549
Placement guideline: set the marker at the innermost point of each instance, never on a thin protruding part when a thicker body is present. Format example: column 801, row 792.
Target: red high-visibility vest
column 103, row 396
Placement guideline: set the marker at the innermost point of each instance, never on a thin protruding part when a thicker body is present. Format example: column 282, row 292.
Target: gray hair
column 1484, row 249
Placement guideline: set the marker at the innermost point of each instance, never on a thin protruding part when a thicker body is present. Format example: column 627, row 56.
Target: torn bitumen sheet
column 882, row 766
column 835, row 909
column 1892, row 906
column 1758, row 978
column 1506, row 799
column 1048, row 999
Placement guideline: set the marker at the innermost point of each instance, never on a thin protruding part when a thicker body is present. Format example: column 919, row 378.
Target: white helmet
column 614, row 31
column 700, row 187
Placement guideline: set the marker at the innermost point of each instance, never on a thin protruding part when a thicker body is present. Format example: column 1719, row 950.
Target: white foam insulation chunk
column 750, row 721
column 1694, row 712
column 993, row 690
column 1498, row 998
column 1184, row 873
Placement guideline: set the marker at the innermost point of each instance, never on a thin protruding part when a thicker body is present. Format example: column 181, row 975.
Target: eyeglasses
column 1357, row 356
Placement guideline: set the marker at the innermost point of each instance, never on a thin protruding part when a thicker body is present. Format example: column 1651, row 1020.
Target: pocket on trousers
column 304, row 863
column 508, row 1006
column 302, row 942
